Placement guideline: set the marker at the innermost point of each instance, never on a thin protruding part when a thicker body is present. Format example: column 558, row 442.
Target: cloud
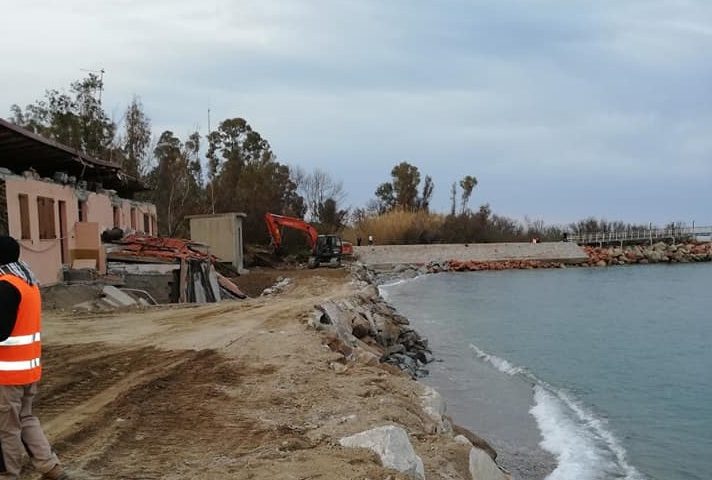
column 530, row 96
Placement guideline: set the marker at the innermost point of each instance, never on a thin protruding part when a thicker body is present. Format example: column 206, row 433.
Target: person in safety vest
column 20, row 369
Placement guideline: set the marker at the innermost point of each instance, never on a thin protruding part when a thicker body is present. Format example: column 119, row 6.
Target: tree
column 402, row 190
column 427, row 195
column 406, row 179
column 136, row 140
column 453, row 199
column 316, row 188
column 331, row 218
column 175, row 189
column 76, row 119
column 467, row 184
column 244, row 176
column 385, row 198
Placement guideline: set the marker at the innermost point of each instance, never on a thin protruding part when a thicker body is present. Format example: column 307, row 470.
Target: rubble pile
column 194, row 276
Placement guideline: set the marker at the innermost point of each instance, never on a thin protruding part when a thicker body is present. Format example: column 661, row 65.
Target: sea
column 575, row 373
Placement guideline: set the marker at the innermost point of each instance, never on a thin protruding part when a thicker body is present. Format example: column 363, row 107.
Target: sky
column 562, row 109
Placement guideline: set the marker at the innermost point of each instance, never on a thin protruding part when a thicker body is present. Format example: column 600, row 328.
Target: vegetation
column 233, row 168
column 242, row 171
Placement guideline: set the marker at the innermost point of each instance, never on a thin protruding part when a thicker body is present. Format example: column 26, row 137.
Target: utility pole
column 212, row 181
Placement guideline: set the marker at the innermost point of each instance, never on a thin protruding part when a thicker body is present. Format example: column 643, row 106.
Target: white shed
column 222, row 232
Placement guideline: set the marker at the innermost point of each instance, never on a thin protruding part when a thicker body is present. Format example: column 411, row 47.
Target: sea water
column 577, row 373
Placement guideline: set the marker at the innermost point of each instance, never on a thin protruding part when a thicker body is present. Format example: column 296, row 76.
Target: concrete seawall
column 386, row 255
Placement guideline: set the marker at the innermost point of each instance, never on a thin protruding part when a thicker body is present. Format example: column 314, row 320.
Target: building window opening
column 45, row 214
column 146, row 223
column 117, row 217
column 82, row 211
column 25, row 232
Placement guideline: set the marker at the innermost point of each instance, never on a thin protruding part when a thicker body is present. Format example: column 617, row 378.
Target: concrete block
column 114, row 295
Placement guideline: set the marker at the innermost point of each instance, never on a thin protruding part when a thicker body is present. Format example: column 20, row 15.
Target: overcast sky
column 561, row 108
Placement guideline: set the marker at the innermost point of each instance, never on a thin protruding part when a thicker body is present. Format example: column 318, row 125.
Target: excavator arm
column 275, row 223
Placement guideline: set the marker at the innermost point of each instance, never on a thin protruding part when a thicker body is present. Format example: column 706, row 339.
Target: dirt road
column 238, row 390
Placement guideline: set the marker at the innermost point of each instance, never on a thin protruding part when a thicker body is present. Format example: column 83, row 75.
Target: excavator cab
column 327, row 250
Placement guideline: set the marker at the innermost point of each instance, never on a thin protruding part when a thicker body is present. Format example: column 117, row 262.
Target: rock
column 361, row 327
column 340, row 319
column 393, row 447
column 601, row 263
column 400, row 268
column 397, row 348
column 423, row 356
column 338, row 367
column 482, row 467
column 475, row 440
column 408, row 338
column 462, row 439
column 655, row 256
column 336, row 344
column 366, row 357
column 434, row 406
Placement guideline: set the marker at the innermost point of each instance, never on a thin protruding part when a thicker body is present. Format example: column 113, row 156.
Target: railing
column 641, row 235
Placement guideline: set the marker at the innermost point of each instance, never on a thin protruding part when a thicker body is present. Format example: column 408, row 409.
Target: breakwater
column 593, row 257
column 388, row 256
column 642, row 254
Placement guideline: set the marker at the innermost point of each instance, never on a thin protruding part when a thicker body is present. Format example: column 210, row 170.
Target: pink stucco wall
column 45, row 256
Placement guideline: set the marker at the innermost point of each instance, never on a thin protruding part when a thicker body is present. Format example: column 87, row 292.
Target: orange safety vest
column 20, row 352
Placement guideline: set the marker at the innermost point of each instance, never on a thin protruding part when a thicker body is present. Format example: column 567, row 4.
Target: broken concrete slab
column 114, row 295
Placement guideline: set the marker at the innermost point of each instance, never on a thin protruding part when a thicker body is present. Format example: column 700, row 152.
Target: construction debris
column 278, row 287
column 112, row 298
column 192, row 269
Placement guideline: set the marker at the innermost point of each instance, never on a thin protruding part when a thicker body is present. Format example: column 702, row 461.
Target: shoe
column 57, row 473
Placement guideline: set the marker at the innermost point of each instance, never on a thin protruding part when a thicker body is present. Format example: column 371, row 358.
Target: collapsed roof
column 22, row 150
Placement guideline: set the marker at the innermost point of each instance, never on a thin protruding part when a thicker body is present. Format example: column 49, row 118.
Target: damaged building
column 56, row 201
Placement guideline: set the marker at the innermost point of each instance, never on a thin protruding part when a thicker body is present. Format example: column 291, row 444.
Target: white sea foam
column 499, row 363
column 383, row 288
column 586, row 425
column 584, row 448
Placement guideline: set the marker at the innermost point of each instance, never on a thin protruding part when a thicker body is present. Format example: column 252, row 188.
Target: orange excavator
column 325, row 248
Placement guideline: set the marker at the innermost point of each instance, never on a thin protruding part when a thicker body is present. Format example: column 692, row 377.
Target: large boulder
column 340, row 319
column 482, row 467
column 435, row 407
column 393, row 447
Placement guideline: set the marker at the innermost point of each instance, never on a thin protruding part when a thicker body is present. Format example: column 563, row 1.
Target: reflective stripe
column 17, row 366
column 21, row 340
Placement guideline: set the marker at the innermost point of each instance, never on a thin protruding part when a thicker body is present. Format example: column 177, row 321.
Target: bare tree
column 316, row 188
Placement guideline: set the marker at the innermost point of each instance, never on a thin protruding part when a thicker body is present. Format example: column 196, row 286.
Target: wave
column 499, row 363
column 383, row 288
column 584, row 448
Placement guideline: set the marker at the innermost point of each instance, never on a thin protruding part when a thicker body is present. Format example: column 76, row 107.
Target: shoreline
column 528, row 460
column 355, row 331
